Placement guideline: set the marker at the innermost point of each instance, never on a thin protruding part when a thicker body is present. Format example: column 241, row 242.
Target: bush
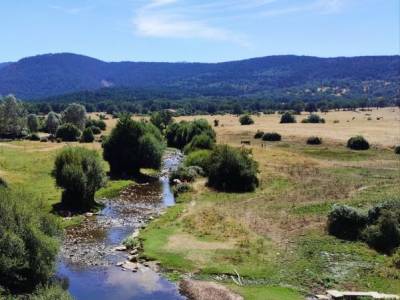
column 28, row 242
column 198, row 158
column 314, row 140
column 68, row 132
column 313, row 118
column 346, row 222
column 161, row 119
column 271, row 137
column 33, row 123
column 180, row 188
column 53, row 292
column 216, row 123
column 87, row 136
column 52, row 122
column 34, row 137
column 3, row 183
column 95, row 129
column 287, row 118
column 259, row 134
column 397, row 149
column 133, row 145
column 269, row 112
column 232, row 170
column 131, row 242
column 186, row 174
column 180, row 134
column 201, row 141
column 396, row 259
column 246, row 120
column 75, row 114
column 358, row 143
column 79, row 172
column 44, row 140
column 96, row 123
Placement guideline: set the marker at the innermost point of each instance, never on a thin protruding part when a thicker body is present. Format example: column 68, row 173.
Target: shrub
column 186, row 174
column 68, row 132
column 133, row 145
column 246, row 120
column 396, row 259
column 198, row 158
column 53, row 292
column 52, row 122
column 271, row 137
column 358, row 143
column 180, row 134
column 287, row 118
column 232, row 170
column 259, row 134
column 313, row 118
column 346, row 222
column 3, row 183
column 397, row 149
column 96, row 123
column 34, row 137
column 201, row 141
column 87, row 136
column 28, row 242
column 44, row 140
column 384, row 234
column 180, row 188
column 131, row 242
column 95, row 129
column 161, row 119
column 79, row 172
column 269, row 112
column 216, row 123
column 314, row 140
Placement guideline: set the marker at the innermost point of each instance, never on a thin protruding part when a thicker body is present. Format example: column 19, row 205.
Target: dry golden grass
column 384, row 132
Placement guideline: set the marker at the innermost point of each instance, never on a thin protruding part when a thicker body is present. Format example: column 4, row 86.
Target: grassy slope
column 275, row 236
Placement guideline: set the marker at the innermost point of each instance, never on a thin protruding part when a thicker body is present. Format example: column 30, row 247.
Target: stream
column 88, row 260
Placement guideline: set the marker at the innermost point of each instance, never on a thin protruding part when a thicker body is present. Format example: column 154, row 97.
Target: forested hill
column 288, row 76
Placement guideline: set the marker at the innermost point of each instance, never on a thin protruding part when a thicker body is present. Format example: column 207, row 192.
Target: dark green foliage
column 87, row 136
column 33, row 123
column 397, row 149
column 259, row 134
column 271, row 137
column 180, row 134
column 314, row 140
column 287, row 118
column 96, row 123
column 201, row 141
column 12, row 118
column 216, row 123
column 199, row 158
column 346, row 222
column 133, row 145
column 180, row 188
column 313, row 118
column 34, row 137
column 3, row 183
column 28, row 243
column 52, row 292
column 186, row 174
column 79, row 172
column 161, row 119
column 95, row 129
column 68, row 132
column 232, row 170
column 358, row 143
column 246, row 120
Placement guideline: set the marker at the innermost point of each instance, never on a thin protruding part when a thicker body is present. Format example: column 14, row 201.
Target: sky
column 198, row 30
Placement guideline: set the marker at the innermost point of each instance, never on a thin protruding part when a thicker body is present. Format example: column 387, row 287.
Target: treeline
column 201, row 105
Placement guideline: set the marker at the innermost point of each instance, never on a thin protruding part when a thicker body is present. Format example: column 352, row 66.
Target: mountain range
column 279, row 76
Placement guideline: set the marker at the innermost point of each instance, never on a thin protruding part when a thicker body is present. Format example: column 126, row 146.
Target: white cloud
column 71, row 10
column 316, row 6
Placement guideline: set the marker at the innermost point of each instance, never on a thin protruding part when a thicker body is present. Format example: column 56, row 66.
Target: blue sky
column 189, row 30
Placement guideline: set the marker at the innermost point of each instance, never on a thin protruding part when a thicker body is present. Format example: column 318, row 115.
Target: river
column 88, row 260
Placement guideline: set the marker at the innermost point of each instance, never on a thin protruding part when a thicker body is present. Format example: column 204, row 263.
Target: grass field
column 274, row 237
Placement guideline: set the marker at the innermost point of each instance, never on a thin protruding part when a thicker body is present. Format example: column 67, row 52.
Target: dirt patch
column 204, row 290
column 185, row 241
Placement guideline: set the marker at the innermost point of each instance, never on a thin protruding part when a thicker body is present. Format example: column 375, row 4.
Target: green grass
column 113, row 188
column 266, row 292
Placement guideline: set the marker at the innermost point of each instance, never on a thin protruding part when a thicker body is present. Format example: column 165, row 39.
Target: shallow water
column 88, row 261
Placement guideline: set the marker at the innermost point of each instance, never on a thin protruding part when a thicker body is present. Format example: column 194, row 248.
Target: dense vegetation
column 133, row 145
column 246, row 120
column 287, row 117
column 78, row 171
column 358, row 143
column 232, row 170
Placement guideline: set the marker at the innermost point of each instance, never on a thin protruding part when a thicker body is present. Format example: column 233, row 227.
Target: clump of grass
column 131, row 242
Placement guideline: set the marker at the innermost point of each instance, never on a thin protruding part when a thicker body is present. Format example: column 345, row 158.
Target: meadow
column 274, row 238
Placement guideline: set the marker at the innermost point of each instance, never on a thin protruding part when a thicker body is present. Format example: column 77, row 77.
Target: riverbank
column 274, row 239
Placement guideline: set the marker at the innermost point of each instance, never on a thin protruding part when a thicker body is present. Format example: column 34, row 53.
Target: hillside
column 272, row 76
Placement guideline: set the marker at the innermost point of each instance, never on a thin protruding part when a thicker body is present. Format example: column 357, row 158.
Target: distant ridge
column 271, row 76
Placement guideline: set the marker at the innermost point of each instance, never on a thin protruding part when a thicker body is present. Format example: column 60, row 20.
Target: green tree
column 76, row 115
column 133, row 145
column 87, row 136
column 68, row 132
column 52, row 122
column 33, row 123
column 246, row 120
column 287, row 118
column 161, row 119
column 28, row 242
column 79, row 172
column 12, row 117
column 232, row 170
